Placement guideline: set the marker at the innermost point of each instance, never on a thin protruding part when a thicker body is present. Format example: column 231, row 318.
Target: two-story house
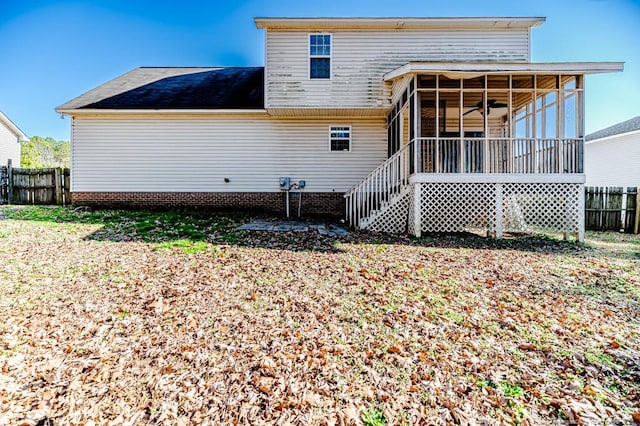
column 396, row 124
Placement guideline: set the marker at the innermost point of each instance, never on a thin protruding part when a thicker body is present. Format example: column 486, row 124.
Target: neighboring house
column 10, row 138
column 612, row 155
column 396, row 124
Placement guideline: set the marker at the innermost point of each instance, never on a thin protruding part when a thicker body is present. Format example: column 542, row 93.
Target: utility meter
column 285, row 183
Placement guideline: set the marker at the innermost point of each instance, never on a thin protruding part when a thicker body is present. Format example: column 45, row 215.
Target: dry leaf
column 589, row 390
column 394, row 350
column 527, row 347
column 264, row 389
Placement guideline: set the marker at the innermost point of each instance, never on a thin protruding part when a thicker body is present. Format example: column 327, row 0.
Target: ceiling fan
column 491, row 103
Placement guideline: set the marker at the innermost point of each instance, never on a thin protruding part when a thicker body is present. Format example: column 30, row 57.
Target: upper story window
column 320, row 56
column 340, row 138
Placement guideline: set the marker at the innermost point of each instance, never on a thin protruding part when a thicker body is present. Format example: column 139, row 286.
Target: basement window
column 340, row 137
column 320, row 56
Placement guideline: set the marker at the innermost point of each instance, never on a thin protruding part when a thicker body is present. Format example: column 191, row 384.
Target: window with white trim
column 340, row 137
column 320, row 56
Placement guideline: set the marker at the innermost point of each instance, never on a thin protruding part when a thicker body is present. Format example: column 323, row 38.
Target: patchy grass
column 373, row 417
column 189, row 247
column 167, row 318
column 136, row 225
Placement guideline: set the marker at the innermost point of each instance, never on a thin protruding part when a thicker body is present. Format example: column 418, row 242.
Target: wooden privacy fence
column 612, row 208
column 34, row 186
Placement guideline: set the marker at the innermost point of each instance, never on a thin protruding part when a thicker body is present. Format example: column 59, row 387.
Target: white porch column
column 580, row 213
column 417, row 209
column 499, row 214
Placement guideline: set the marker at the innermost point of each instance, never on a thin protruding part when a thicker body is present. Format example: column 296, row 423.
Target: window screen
column 320, row 56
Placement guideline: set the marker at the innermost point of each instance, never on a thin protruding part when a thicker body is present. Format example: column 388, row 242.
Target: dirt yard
column 113, row 317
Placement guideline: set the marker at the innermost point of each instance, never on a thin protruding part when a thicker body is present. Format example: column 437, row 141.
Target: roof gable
column 13, row 128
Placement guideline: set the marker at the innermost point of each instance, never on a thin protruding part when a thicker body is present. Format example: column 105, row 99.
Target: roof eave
column 99, row 111
column 505, row 67
column 608, row 137
column 397, row 23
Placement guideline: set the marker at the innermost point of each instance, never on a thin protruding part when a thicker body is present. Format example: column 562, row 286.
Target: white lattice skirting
column 391, row 218
column 496, row 207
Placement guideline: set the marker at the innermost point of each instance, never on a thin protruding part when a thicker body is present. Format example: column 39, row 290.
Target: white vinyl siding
column 9, row 147
column 614, row 161
column 196, row 154
column 359, row 59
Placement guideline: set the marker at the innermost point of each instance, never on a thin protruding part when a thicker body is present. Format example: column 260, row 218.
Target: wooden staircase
column 380, row 202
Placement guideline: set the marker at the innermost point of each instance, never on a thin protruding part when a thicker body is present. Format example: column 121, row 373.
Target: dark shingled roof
column 223, row 88
column 617, row 129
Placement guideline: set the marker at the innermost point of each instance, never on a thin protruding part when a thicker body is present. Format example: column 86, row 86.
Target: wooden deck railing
column 498, row 155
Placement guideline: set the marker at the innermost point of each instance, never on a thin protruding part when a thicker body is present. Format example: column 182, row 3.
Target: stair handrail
column 381, row 166
column 379, row 186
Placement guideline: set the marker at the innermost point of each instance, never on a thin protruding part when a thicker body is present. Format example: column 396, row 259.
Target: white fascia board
column 97, row 111
column 396, row 23
column 497, row 178
column 505, row 67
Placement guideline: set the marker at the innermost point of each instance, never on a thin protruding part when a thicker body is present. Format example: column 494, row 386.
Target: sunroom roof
column 476, row 69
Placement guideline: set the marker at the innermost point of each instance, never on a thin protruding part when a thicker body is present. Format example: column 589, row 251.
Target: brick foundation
column 313, row 203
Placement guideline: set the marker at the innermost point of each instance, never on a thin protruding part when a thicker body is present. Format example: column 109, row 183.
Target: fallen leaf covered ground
column 113, row 317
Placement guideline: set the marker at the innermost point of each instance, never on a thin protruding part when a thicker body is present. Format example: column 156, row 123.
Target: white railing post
column 560, row 149
column 580, row 153
column 356, row 208
column 536, row 159
column 485, row 156
column 360, row 205
column 418, row 156
column 415, row 157
column 461, row 155
column 376, row 190
column 436, row 160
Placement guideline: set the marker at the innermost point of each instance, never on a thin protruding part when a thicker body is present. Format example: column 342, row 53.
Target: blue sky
column 55, row 50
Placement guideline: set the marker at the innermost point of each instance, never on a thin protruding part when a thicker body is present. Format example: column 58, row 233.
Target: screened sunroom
column 490, row 147
column 495, row 123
